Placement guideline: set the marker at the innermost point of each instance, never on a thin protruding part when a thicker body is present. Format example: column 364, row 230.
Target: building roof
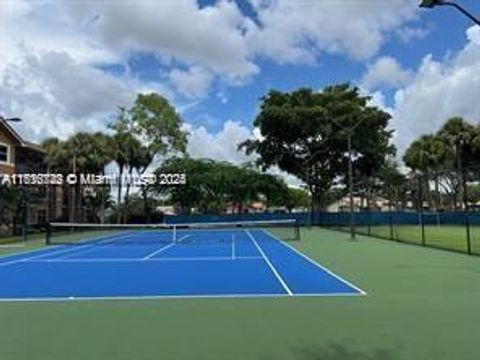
column 18, row 139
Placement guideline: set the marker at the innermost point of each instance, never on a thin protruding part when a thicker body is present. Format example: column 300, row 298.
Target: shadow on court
column 340, row 352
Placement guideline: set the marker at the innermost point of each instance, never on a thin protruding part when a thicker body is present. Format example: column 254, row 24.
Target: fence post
column 369, row 222
column 467, row 228
column 391, row 224
column 424, row 242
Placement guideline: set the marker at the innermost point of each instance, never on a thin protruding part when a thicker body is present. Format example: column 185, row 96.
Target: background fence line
column 455, row 231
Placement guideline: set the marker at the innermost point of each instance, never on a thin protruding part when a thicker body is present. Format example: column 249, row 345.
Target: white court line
column 47, row 250
column 165, row 248
column 100, row 244
column 60, row 251
column 176, row 297
column 159, row 251
column 183, row 238
column 298, row 252
column 135, row 260
column 275, row 272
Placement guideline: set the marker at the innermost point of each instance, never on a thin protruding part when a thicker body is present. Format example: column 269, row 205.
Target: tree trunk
column 73, row 193
column 146, row 208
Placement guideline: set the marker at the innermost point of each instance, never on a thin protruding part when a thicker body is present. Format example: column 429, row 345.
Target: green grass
column 19, row 240
column 422, row 304
column 445, row 236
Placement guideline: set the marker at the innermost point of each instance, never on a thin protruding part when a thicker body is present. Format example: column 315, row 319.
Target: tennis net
column 110, row 234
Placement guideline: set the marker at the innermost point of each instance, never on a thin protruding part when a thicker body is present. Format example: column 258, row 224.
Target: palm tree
column 134, row 157
column 56, row 160
column 101, row 156
column 120, row 156
column 427, row 155
column 460, row 137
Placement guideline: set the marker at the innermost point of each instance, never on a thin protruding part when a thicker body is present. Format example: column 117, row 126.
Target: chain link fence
column 456, row 231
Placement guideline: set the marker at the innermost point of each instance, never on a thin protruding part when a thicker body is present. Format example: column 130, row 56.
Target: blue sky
column 66, row 66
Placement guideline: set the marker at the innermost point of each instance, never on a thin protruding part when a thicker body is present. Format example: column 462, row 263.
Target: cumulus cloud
column 57, row 96
column 408, row 34
column 211, row 42
column 221, row 145
column 37, row 27
column 49, row 59
column 222, row 39
column 211, row 36
column 193, row 83
column 385, row 71
column 438, row 91
column 296, row 31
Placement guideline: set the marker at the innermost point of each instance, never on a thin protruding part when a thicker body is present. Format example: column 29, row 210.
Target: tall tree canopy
column 150, row 129
column 82, row 153
column 305, row 133
column 449, row 159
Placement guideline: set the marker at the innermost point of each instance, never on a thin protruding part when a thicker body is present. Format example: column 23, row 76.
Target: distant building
column 255, row 207
column 18, row 156
column 166, row 210
column 360, row 204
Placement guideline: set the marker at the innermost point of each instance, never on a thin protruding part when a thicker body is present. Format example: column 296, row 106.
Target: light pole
column 429, row 4
column 349, row 131
column 306, row 167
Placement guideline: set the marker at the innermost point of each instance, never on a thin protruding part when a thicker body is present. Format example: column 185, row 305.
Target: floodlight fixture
column 429, row 4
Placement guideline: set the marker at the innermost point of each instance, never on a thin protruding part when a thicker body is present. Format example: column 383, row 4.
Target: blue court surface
column 147, row 264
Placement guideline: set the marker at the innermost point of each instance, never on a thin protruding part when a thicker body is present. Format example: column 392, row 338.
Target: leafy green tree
column 82, row 153
column 295, row 199
column 212, row 186
column 156, row 124
column 393, row 184
column 191, row 194
column 10, row 207
column 462, row 140
column 305, row 134
column 427, row 155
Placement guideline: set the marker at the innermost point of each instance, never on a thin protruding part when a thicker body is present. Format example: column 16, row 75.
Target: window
column 4, row 152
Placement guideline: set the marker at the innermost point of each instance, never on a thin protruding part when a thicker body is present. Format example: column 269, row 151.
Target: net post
column 297, row 230
column 174, row 233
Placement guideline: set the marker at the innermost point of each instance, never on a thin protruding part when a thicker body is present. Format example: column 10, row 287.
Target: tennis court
column 129, row 262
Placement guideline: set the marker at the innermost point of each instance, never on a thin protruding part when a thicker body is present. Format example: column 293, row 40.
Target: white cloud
column 37, row 27
column 193, row 82
column 221, row 145
column 47, row 60
column 439, row 90
column 296, row 31
column 385, row 71
column 218, row 38
column 211, row 36
column 57, row 96
column 408, row 34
